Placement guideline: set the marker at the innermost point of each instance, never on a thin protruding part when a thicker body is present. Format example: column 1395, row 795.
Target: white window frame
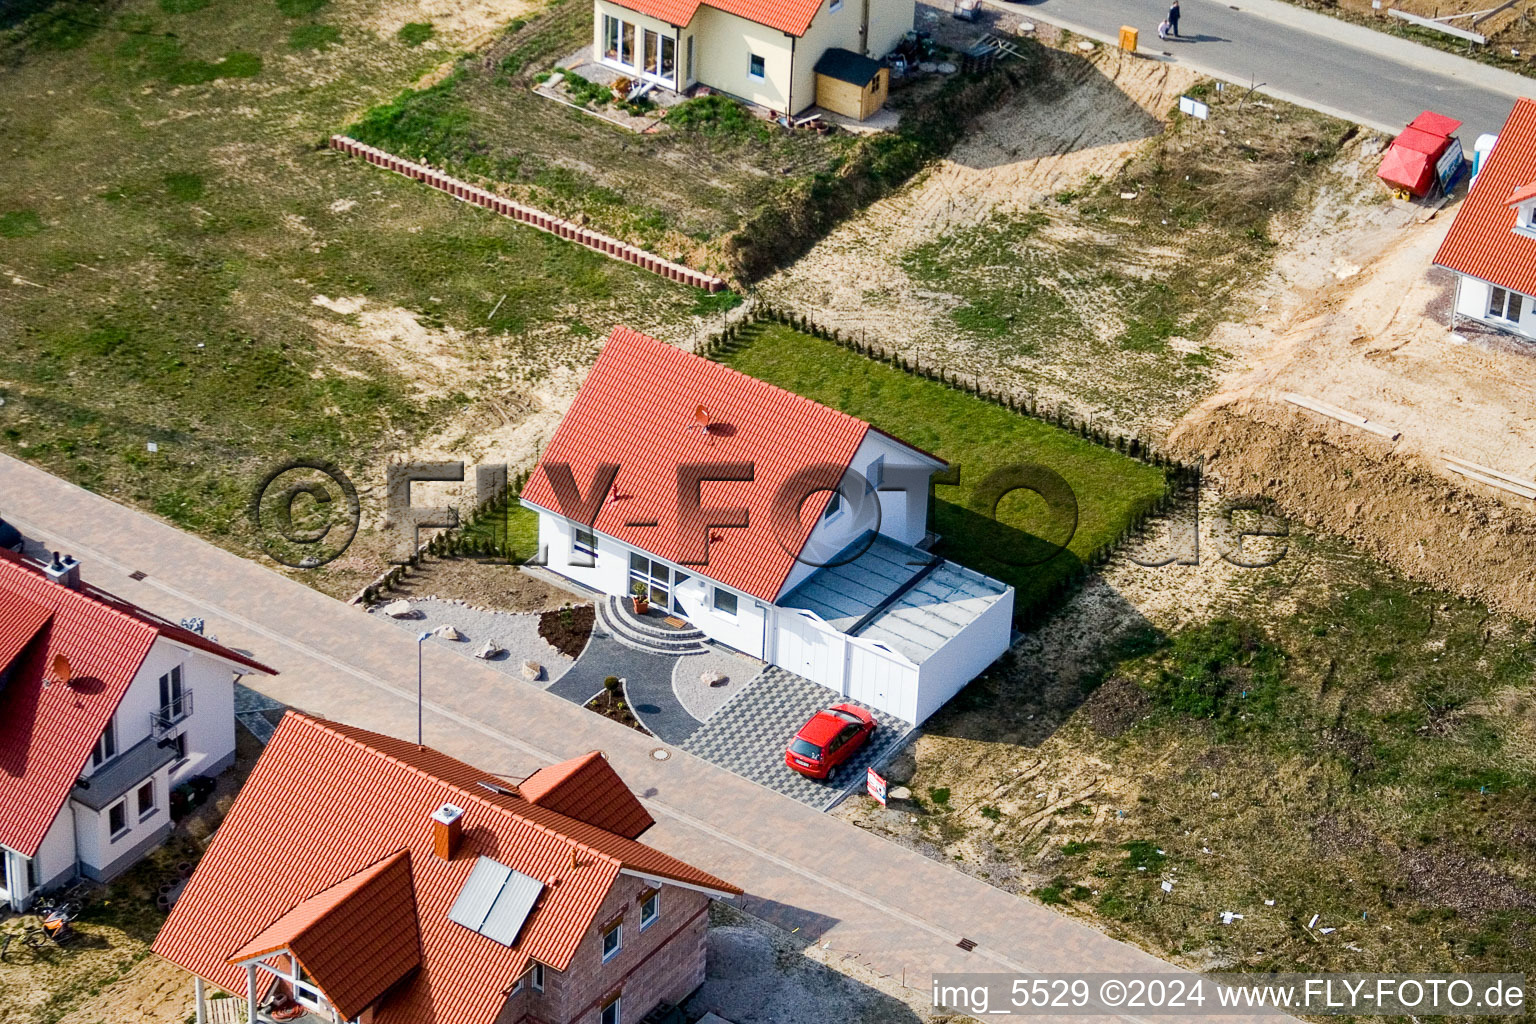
column 537, row 977
column 752, row 60
column 581, row 546
column 834, row 6
column 654, row 902
column 115, row 836
column 183, row 751
column 617, row 1017
column 617, row 931
column 835, row 505
column 154, row 799
column 106, row 744
column 1499, row 310
column 714, row 602
column 297, row 983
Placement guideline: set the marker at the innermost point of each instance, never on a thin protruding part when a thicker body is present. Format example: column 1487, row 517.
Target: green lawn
column 170, row 225
column 1023, row 544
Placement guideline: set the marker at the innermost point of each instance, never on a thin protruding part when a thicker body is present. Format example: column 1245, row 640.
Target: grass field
column 1030, row 544
column 169, row 222
column 672, row 190
column 1326, row 739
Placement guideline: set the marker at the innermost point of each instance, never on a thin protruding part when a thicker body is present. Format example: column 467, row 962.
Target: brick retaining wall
column 528, row 215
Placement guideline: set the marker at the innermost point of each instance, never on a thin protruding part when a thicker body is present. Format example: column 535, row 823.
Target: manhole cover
column 660, row 754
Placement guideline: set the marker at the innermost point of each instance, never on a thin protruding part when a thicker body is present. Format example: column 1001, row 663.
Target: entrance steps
column 631, row 631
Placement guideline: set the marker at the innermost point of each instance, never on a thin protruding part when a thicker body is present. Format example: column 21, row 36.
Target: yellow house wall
column 889, row 22
column 723, row 53
column 829, row 30
column 724, row 44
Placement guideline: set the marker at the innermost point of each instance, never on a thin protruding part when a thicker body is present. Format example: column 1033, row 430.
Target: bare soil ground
column 1376, row 341
column 218, row 293
column 1083, row 242
column 1367, row 759
column 1511, row 32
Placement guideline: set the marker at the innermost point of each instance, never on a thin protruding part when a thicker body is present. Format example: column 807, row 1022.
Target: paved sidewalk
column 1347, row 70
column 902, row 913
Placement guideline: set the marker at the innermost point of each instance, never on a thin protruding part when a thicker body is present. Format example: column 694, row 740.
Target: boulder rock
column 447, row 632
column 401, row 610
column 712, row 679
column 899, row 793
column 487, row 651
column 532, row 670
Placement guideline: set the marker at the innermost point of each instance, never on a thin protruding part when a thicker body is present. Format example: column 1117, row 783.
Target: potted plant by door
column 642, row 602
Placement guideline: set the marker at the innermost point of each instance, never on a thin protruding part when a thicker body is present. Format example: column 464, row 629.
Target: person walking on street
column 1173, row 18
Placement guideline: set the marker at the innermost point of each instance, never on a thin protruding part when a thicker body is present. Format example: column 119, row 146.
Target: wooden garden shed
column 850, row 84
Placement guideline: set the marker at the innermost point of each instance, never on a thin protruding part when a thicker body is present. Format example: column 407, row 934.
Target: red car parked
column 829, row 739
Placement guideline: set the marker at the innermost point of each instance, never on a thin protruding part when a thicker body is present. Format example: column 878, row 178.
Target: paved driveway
column 899, row 912
column 748, row 736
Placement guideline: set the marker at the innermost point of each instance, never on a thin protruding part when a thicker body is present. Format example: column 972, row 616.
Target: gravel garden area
column 516, row 633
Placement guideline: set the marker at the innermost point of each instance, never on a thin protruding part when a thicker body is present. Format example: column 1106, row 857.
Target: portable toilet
column 1480, row 151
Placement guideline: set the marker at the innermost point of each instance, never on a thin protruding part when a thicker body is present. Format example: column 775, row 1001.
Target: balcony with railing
column 167, row 718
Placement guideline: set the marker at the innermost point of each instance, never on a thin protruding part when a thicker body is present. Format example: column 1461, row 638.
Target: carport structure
column 890, row 626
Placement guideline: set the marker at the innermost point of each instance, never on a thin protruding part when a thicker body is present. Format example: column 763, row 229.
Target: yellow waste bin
column 1128, row 37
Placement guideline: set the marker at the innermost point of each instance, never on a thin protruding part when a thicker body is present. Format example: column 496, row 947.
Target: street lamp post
column 419, row 641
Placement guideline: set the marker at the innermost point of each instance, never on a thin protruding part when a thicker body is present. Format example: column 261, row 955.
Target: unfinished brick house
column 361, row 878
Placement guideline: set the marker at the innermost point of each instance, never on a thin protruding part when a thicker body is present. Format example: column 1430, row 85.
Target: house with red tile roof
column 104, row 710
column 777, row 526
column 1492, row 243
column 762, row 51
column 363, row 878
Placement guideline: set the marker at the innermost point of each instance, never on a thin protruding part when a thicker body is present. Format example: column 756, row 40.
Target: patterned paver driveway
column 748, row 736
column 839, row 886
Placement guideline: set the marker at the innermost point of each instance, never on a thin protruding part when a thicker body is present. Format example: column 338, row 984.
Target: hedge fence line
column 455, row 543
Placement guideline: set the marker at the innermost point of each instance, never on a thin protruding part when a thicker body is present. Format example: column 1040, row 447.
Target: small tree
column 612, row 686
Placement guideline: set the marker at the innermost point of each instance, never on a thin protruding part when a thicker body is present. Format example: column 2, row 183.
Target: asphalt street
column 1347, row 70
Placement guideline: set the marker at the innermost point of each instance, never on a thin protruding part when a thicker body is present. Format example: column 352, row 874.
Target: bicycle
column 33, row 938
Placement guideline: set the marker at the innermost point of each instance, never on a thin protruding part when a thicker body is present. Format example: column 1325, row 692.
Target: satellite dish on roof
column 59, row 671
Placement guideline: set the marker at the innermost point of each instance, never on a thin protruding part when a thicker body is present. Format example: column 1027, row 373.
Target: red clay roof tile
column 48, row 730
column 588, row 789
column 792, row 16
column 326, row 801
column 1482, row 241
column 635, row 409
column 356, row 940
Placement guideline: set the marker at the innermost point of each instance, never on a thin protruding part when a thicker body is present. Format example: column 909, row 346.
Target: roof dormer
column 1523, row 201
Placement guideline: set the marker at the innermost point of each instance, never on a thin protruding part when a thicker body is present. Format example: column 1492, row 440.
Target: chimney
column 64, row 571
column 447, row 831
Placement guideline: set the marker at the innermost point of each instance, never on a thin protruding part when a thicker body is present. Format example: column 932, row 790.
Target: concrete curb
column 569, row 230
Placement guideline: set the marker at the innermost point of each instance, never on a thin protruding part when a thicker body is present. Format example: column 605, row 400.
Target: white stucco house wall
column 814, row 523
column 760, row 51
column 104, row 709
column 1491, row 246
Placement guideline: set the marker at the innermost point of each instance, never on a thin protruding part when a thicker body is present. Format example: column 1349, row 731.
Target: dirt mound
column 1390, row 503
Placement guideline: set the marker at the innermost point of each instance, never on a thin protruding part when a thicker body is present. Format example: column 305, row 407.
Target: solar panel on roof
column 495, row 901
column 511, row 908
column 480, row 891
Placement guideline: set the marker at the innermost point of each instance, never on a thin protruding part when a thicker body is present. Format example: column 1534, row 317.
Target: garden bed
column 568, row 629
column 612, row 705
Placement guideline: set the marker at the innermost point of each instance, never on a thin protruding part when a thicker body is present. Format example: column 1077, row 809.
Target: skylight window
column 495, row 901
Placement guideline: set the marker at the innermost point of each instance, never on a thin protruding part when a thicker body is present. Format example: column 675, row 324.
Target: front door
column 652, row 578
